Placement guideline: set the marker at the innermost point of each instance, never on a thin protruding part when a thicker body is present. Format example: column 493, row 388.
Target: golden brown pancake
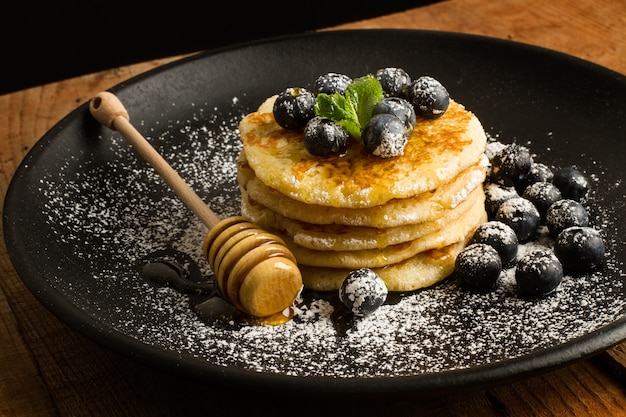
column 406, row 217
column 375, row 258
column 420, row 271
column 338, row 237
column 424, row 207
column 437, row 151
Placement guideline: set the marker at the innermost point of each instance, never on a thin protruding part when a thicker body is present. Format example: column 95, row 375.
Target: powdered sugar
column 114, row 216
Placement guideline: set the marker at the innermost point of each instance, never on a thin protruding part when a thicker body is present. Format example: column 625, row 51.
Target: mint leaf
column 364, row 93
column 354, row 109
column 335, row 107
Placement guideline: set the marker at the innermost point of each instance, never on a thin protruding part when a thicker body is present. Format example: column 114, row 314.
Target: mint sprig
column 353, row 109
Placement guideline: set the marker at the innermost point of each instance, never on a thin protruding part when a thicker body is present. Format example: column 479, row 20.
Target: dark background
column 49, row 42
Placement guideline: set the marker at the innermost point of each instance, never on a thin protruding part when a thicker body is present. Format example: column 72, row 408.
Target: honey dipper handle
column 106, row 108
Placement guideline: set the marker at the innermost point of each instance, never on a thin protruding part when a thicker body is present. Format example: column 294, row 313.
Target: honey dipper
column 254, row 269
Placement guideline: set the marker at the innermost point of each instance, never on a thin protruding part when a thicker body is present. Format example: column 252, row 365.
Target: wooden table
column 47, row 369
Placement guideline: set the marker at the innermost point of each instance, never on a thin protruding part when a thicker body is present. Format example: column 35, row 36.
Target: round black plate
column 83, row 215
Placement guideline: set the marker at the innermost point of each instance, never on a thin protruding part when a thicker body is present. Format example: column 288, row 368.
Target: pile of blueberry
column 389, row 125
column 522, row 195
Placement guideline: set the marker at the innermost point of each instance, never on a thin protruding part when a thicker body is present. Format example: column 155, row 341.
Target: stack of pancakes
column 405, row 217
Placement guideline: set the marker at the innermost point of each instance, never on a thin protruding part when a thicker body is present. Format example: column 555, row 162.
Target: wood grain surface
column 47, row 369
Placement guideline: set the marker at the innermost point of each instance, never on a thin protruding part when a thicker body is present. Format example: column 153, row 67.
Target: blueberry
column 499, row 236
column 538, row 273
column 521, row 215
column 293, row 108
column 538, row 172
column 579, row 248
column 510, row 165
column 495, row 195
column 492, row 147
column 331, row 82
column 363, row 291
column 394, row 81
column 542, row 195
column 400, row 108
column 323, row 137
column 572, row 183
column 565, row 213
column 385, row 135
column 478, row 267
column 429, row 97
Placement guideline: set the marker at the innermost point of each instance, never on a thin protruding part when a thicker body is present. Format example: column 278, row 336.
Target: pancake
column 420, row 271
column 406, row 217
column 437, row 151
column 428, row 206
column 376, row 258
column 337, row 237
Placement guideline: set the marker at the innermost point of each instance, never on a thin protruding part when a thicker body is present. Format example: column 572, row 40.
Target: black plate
column 83, row 215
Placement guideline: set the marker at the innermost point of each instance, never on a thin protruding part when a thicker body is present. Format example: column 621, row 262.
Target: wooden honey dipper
column 254, row 269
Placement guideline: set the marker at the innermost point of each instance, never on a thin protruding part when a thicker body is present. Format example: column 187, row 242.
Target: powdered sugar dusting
column 115, row 215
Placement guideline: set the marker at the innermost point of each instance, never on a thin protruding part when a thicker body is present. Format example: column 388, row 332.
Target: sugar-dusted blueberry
column 579, row 248
column 385, row 136
column 478, row 267
column 521, row 215
column 542, row 195
column 495, row 195
column 510, row 165
column 363, row 291
column 323, row 137
column 573, row 184
column 492, row 147
column 501, row 237
column 538, row 172
column 565, row 213
column 400, row 108
column 429, row 97
column 293, row 108
column 331, row 82
column 394, row 81
column 538, row 273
